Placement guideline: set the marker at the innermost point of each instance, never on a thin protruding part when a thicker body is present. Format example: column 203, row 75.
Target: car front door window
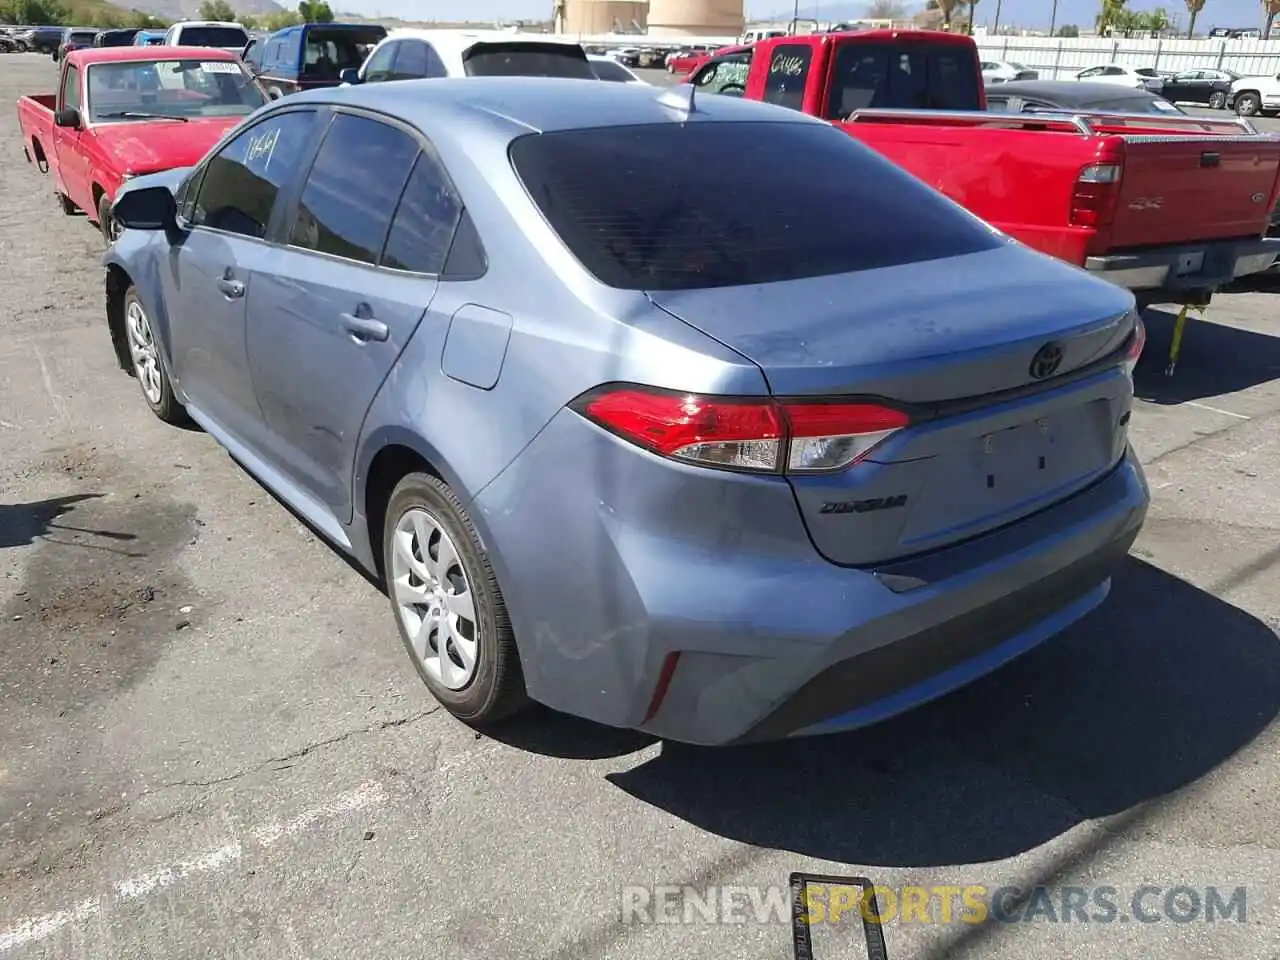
column 411, row 61
column 240, row 185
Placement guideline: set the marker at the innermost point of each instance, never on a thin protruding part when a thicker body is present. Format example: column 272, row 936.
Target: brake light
column 759, row 435
column 1136, row 343
column 1093, row 200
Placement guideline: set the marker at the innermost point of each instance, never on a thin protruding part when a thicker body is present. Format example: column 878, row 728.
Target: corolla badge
column 1146, row 203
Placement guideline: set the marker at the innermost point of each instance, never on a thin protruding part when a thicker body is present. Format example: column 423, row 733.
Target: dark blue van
column 312, row 55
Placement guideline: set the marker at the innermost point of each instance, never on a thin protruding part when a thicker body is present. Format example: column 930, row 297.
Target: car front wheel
column 447, row 603
column 1218, row 101
column 148, row 364
column 1248, row 105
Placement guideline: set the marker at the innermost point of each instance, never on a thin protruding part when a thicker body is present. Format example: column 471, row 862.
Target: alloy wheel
column 142, row 348
column 434, row 600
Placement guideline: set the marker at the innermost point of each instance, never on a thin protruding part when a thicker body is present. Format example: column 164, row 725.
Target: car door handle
column 231, row 289
column 364, row 329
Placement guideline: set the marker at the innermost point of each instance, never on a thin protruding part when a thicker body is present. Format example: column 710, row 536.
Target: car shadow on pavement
column 1215, row 360
column 21, row 524
column 1146, row 695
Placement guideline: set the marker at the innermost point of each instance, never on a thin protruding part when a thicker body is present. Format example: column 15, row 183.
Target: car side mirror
column 350, row 75
column 67, row 117
column 147, row 208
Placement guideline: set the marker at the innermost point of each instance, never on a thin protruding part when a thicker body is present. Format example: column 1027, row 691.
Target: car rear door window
column 788, row 75
column 870, row 76
column 425, row 221
column 352, row 189
column 381, row 62
column 656, row 207
column 240, row 183
column 411, row 62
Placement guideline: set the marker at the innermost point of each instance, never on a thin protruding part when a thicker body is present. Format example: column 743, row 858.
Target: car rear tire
column 148, row 363
column 1218, row 101
column 106, row 222
column 447, row 603
column 1248, row 105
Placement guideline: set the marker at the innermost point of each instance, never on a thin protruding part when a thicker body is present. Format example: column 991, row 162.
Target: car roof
column 332, row 25
column 508, row 106
column 147, row 54
column 1067, row 93
column 209, row 23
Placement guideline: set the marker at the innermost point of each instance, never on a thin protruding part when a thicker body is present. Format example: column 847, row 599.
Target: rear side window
column 869, row 76
column 527, row 60
column 425, row 221
column 657, row 207
column 353, row 188
column 413, row 62
column 788, row 74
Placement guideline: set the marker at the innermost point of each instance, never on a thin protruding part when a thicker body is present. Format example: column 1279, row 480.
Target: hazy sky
column 1234, row 13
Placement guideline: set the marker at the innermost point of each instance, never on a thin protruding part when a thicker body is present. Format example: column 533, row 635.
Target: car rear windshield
column 610, row 70
column 527, row 60
column 938, row 77
column 213, row 37
column 689, row 206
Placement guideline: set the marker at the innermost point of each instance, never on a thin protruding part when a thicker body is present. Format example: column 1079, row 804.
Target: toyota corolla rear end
column 926, row 474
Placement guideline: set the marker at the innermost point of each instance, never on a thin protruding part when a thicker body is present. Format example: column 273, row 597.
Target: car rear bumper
column 1184, row 269
column 693, row 607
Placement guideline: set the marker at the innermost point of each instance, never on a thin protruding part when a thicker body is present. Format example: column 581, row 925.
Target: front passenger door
column 333, row 309
column 228, row 215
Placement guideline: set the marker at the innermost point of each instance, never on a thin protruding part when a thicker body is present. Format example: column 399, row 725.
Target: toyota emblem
column 1046, row 361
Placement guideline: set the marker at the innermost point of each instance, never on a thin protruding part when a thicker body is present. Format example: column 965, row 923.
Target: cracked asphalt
column 211, row 744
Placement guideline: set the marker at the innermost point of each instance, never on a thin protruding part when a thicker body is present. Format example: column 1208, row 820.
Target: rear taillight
column 753, row 434
column 1094, row 198
column 1136, row 342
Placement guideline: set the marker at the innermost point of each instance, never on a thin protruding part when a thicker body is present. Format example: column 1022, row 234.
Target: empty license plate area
column 987, row 479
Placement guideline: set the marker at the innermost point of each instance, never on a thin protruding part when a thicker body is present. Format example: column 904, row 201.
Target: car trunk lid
column 989, row 441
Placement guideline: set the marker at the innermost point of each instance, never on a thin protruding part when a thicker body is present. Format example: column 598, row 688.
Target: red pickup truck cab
column 121, row 112
column 1171, row 207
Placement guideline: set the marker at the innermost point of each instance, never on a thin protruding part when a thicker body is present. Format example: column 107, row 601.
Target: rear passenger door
column 337, row 300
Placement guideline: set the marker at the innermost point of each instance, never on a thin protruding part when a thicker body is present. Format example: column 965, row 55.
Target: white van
column 224, row 35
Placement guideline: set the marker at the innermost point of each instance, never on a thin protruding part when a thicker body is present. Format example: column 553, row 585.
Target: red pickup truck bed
column 1170, row 207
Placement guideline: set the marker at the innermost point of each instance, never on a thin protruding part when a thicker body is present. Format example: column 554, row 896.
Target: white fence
column 1056, row 58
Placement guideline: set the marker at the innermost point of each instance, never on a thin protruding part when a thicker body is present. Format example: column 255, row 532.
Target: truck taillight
column 757, row 435
column 1093, row 200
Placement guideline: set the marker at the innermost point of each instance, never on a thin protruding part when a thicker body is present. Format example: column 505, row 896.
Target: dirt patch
column 101, row 599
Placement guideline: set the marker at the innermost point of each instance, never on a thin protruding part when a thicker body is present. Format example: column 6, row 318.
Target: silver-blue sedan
column 695, row 416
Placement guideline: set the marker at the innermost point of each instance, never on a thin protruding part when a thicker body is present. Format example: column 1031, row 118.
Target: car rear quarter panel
column 568, row 334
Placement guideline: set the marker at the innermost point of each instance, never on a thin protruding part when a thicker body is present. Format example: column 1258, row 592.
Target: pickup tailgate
column 1176, row 189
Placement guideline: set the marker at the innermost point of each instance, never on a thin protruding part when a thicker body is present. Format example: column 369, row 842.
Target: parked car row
column 575, row 391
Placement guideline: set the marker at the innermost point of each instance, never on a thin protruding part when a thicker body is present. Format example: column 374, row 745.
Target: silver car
column 696, row 417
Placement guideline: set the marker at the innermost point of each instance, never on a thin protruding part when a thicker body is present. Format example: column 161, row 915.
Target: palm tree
column 1109, row 17
column 1193, row 7
column 1272, row 9
column 1158, row 21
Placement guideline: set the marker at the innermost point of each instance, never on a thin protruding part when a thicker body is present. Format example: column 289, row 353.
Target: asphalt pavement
column 212, row 744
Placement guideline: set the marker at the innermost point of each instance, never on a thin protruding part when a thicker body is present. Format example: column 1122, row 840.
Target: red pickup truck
column 1171, row 207
column 121, row 112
